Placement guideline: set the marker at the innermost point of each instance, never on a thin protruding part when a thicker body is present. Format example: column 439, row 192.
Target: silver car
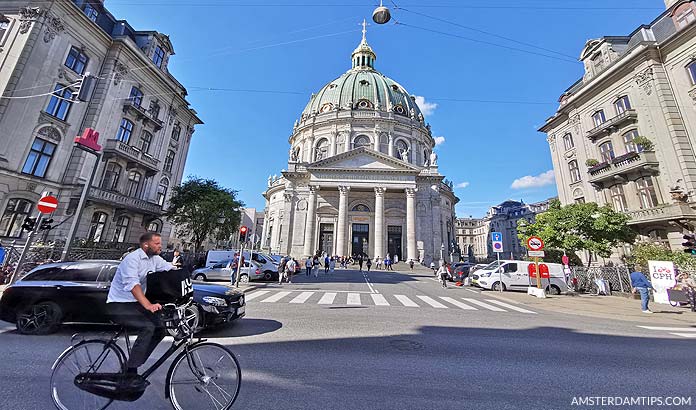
column 223, row 272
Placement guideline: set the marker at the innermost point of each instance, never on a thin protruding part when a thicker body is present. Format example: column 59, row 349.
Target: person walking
column 315, row 266
column 332, row 264
column 388, row 263
column 442, row 274
column 326, row 264
column 378, row 263
column 410, row 263
column 290, row 269
column 308, row 266
column 369, row 264
column 281, row 269
column 641, row 284
column 360, row 261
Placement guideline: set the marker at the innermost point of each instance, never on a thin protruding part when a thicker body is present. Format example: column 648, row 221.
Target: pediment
column 363, row 159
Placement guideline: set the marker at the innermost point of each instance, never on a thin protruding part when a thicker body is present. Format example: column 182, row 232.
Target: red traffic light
column 243, row 230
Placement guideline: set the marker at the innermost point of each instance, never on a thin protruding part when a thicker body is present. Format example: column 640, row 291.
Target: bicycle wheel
column 92, row 356
column 208, row 377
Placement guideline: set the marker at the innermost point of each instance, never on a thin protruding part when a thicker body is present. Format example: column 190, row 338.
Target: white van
column 515, row 276
column 268, row 266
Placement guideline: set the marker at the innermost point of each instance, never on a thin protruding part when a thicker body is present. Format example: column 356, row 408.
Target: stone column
column 391, row 145
column 311, row 216
column 342, row 220
column 375, row 145
column 332, row 144
column 379, row 222
column 411, row 224
column 311, row 149
column 275, row 233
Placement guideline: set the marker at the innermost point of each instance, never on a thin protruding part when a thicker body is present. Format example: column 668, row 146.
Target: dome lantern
column 363, row 57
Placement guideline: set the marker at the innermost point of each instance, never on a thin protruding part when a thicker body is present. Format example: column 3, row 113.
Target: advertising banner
column 662, row 277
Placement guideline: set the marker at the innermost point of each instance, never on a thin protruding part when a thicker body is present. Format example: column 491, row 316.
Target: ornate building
column 362, row 176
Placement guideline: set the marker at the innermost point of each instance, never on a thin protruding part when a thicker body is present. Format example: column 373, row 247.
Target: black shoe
column 132, row 382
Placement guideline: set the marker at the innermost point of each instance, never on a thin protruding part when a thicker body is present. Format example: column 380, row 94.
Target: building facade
column 362, row 176
column 466, row 236
column 624, row 134
column 138, row 108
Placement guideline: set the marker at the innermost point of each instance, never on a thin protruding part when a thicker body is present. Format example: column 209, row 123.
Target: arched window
column 162, row 191
column 402, row 150
column 606, row 151
column 96, row 227
column 112, row 174
column 322, row 149
column 628, row 141
column 12, row 219
column 362, row 141
column 568, row 141
column 360, row 208
column 646, row 193
column 578, row 196
column 122, row 223
column 622, row 105
column 133, row 189
column 574, row 171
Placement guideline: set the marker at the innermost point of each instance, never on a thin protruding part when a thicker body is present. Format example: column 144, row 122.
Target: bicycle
column 87, row 374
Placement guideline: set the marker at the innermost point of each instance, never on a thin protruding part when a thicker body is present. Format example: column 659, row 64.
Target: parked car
column 514, row 275
column 477, row 267
column 224, row 272
column 75, row 292
column 460, row 272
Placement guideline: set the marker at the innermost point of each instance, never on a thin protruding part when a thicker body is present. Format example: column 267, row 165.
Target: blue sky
column 269, row 56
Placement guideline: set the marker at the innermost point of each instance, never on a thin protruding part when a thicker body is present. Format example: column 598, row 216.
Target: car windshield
column 493, row 265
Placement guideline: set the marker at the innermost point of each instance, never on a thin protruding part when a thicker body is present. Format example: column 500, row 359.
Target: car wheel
column 39, row 319
column 553, row 290
column 244, row 279
column 496, row 286
column 199, row 276
column 268, row 275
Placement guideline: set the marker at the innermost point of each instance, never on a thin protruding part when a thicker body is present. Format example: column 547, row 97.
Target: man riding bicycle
column 129, row 306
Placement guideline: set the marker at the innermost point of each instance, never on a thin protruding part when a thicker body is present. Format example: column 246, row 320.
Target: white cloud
column 425, row 107
column 439, row 140
column 547, row 178
column 462, row 185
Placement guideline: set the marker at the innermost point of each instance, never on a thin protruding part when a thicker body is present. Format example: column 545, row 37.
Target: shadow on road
column 243, row 327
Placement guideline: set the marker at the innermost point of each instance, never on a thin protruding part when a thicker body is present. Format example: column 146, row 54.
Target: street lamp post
column 442, row 254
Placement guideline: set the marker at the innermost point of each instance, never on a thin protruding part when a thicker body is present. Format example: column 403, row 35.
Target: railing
column 132, row 153
column 660, row 213
column 124, row 201
column 628, row 115
column 621, row 165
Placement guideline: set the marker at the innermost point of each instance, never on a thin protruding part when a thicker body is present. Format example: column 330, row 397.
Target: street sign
column 538, row 254
column 497, row 239
column 534, row 243
column 565, row 260
column 47, row 204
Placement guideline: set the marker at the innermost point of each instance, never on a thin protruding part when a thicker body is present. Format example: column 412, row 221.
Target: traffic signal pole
column 30, row 240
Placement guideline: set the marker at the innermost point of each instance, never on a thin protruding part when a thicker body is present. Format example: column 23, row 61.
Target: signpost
column 497, row 240
column 47, row 204
column 536, row 246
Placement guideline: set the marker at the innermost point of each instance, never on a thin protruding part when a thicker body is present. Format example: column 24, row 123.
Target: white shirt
column 132, row 271
column 290, row 266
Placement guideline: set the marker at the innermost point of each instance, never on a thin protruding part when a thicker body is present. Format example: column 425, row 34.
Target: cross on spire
column 364, row 31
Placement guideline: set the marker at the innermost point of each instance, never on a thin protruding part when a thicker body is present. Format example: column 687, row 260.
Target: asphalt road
column 306, row 350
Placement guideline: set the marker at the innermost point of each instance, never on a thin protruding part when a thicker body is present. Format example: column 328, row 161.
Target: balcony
column 119, row 200
column 141, row 114
column 611, row 124
column 661, row 213
column 619, row 167
column 134, row 156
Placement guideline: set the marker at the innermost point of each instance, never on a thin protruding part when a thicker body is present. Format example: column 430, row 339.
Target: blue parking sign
column 497, row 242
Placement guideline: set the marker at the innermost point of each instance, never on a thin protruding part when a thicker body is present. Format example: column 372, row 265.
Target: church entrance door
column 394, row 241
column 360, row 241
column 326, row 235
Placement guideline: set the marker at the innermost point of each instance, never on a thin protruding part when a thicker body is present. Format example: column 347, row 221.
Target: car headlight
column 212, row 300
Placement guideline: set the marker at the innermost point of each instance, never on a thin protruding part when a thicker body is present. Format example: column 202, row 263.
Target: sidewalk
column 605, row 307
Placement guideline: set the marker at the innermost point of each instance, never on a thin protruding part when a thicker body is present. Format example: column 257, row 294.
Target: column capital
column 313, row 189
column 379, row 190
column 411, row 192
column 343, row 189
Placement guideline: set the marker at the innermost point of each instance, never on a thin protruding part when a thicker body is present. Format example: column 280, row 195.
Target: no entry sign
column 47, row 204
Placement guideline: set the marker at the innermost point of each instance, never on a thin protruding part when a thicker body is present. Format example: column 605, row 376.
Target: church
column 362, row 176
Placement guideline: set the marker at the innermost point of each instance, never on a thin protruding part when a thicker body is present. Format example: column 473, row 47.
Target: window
column 112, row 174
column 4, row 25
column 153, row 226
column 322, row 149
column 574, row 171
column 361, row 141
column 176, row 132
column 145, row 141
column 568, row 141
column 77, row 60
column 361, row 208
column 124, row 131
column 91, row 12
column 598, row 61
column 580, row 200
column 39, row 157
column 60, row 103
column 606, row 151
column 578, row 196
column 96, row 227
column 154, row 109
column 158, row 56
column 136, row 96
column 692, row 71
column 685, row 17
column 598, row 118
column 133, row 189
column 628, row 142
column 13, row 217
column 622, row 104
column 121, row 228
column 646, row 193
column 162, row 191
column 169, row 161
column 617, row 198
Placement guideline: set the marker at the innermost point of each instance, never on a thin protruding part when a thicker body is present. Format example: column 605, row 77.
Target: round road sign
column 47, row 204
column 535, row 243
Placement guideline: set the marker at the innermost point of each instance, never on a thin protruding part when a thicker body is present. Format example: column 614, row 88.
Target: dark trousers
column 141, row 323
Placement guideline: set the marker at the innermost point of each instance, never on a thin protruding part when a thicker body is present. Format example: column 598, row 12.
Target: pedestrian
column 176, row 260
column 308, row 266
column 410, row 263
column 396, row 258
column 378, row 263
column 369, row 264
column 442, row 273
column 641, row 284
column 315, row 266
column 290, row 269
column 281, row 269
column 388, row 264
column 360, row 261
column 432, row 266
column 326, row 264
column 332, row 264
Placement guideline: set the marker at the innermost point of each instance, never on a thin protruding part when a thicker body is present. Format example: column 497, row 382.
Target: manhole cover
column 405, row 345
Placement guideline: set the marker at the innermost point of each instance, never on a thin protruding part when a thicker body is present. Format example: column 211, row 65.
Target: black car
column 75, row 292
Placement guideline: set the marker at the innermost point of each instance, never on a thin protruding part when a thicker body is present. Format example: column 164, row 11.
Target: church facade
column 362, row 177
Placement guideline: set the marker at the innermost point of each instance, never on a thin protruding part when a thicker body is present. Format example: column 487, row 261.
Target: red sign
column 89, row 139
column 565, row 260
column 543, row 268
column 535, row 243
column 47, row 204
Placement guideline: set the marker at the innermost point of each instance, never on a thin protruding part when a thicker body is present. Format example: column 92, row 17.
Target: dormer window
column 158, row 56
column 598, row 61
column 622, row 105
column 4, row 25
column 685, row 17
column 598, row 118
column 91, row 12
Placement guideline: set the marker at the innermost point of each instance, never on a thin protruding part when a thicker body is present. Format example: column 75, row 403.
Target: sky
column 487, row 75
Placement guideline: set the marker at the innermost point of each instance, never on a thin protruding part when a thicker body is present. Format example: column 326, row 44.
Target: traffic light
column 690, row 244
column 46, row 224
column 243, row 234
column 84, row 88
column 28, row 224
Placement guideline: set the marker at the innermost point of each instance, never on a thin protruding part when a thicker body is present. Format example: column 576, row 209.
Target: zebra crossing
column 685, row 332
column 378, row 299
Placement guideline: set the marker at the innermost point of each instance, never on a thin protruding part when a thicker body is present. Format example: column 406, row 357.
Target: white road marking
column 406, row 301
column 457, row 303
column 484, row 304
column 302, row 297
column 672, row 329
column 275, row 297
column 472, row 291
column 327, row 299
column 379, row 300
column 432, row 302
column 254, row 295
column 372, row 290
column 509, row 306
column 354, row 299
column 689, row 335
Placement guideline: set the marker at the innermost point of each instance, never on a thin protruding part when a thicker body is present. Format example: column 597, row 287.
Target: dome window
column 395, row 87
column 332, row 86
column 326, row 107
column 322, row 150
column 364, row 82
column 364, row 104
column 399, row 109
column 362, row 141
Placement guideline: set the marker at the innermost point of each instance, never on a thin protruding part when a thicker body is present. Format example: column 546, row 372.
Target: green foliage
column 591, row 162
column 646, row 251
column 201, row 208
column 578, row 227
column 644, row 142
column 556, row 256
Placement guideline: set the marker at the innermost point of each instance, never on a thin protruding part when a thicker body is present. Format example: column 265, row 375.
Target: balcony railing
column 625, row 164
column 142, row 114
column 132, row 154
column 608, row 125
column 122, row 201
column 661, row 213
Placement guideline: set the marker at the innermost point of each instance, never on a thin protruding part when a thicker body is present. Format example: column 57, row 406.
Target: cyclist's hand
column 154, row 307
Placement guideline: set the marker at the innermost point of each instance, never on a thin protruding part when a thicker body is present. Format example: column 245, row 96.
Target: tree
column 645, row 251
column 578, row 227
column 201, row 208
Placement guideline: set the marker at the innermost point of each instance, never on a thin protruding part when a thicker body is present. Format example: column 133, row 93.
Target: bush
column 591, row 162
column 644, row 142
column 645, row 251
